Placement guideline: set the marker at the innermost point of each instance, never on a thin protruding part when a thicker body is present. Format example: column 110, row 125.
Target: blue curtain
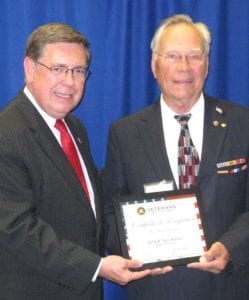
column 120, row 32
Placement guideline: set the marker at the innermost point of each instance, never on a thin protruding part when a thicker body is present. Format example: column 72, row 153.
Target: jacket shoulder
column 134, row 118
column 225, row 106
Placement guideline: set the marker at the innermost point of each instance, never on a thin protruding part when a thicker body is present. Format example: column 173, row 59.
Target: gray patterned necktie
column 188, row 159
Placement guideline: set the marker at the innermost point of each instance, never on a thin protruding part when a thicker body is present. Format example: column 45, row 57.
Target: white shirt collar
column 197, row 109
column 47, row 118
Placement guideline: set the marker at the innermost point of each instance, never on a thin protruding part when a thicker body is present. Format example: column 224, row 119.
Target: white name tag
column 160, row 186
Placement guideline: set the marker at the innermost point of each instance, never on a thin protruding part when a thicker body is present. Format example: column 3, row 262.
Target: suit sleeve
column 236, row 240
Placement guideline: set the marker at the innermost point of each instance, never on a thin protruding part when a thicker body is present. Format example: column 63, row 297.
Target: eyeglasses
column 78, row 73
column 192, row 58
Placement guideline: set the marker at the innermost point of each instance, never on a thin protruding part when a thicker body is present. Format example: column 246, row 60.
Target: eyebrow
column 66, row 66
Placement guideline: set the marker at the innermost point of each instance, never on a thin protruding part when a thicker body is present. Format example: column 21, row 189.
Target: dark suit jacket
column 50, row 240
column 136, row 155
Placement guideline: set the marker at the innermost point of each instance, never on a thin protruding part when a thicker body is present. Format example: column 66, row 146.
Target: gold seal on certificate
column 166, row 228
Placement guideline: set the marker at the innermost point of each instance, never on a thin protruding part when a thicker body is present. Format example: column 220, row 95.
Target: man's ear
column 29, row 68
column 153, row 65
column 207, row 68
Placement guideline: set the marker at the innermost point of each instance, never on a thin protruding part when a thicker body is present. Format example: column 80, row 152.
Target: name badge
column 160, row 186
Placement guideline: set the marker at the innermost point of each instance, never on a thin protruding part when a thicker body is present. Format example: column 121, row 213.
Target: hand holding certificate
column 161, row 228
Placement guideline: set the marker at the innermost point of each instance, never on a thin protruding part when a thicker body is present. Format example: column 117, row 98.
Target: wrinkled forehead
column 181, row 37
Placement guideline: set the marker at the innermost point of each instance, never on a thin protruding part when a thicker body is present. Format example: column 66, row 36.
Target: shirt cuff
column 97, row 271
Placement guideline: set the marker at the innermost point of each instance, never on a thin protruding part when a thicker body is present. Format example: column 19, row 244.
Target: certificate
column 166, row 228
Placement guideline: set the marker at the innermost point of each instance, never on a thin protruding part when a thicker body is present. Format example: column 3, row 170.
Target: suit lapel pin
column 79, row 140
column 215, row 123
column 223, row 125
column 219, row 110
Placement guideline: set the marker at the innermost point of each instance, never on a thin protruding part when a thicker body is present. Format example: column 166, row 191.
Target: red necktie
column 69, row 149
column 188, row 159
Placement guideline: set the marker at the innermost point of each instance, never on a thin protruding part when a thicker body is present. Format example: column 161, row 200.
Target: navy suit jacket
column 136, row 155
column 50, row 240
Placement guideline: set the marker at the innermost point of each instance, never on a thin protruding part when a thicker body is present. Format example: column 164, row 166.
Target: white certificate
column 164, row 228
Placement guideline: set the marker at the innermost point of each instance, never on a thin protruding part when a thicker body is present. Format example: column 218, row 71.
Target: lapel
column 81, row 140
column 215, row 129
column 49, row 145
column 151, row 132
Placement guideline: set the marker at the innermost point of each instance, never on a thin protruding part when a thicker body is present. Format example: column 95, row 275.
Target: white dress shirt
column 171, row 131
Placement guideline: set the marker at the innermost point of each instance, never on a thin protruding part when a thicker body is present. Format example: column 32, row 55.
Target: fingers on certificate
column 214, row 260
column 122, row 271
column 160, row 271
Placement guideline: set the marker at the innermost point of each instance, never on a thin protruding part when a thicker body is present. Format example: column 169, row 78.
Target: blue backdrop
column 120, row 32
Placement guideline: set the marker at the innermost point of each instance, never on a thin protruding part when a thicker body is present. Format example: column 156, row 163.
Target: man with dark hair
column 51, row 244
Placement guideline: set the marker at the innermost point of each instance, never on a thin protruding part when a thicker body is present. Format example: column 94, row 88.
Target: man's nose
column 69, row 77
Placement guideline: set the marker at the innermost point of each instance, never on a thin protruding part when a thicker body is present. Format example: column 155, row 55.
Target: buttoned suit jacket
column 50, row 240
column 136, row 155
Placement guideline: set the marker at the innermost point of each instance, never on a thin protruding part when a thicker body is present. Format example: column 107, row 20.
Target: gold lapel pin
column 215, row 123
